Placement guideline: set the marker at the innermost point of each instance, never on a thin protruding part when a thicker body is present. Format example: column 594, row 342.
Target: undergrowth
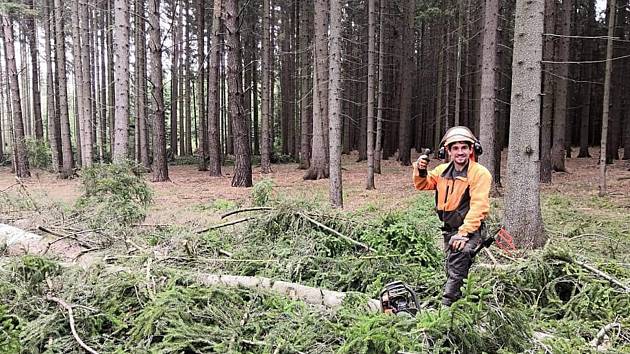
column 113, row 194
column 546, row 302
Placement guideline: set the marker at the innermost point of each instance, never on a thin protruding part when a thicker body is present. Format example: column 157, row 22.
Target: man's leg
column 457, row 266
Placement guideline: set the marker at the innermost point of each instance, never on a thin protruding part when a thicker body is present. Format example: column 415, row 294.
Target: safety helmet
column 457, row 134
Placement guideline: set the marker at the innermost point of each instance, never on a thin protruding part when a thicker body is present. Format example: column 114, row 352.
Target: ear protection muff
column 477, row 149
column 441, row 154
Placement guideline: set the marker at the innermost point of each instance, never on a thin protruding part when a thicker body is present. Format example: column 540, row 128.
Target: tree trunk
column 203, row 125
column 558, row 151
column 458, row 63
column 606, row 102
column 102, row 131
column 378, row 148
column 141, row 97
column 54, row 134
column 404, row 128
column 121, row 80
column 370, row 92
column 176, row 23
column 187, row 79
column 334, row 104
column 67, row 169
column 438, row 103
column 523, row 188
column 160, row 168
column 86, row 76
column 265, row 153
column 20, row 157
column 31, row 32
column 319, row 162
column 306, row 108
column 488, row 108
column 214, row 141
column 585, row 114
column 548, row 93
column 242, row 159
column 79, row 112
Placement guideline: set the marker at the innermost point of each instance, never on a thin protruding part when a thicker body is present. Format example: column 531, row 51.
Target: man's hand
column 458, row 242
column 421, row 163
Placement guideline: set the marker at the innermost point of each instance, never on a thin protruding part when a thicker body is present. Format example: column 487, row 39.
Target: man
column 462, row 189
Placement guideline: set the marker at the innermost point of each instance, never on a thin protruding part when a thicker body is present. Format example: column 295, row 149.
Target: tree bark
column 242, row 159
column 458, row 63
column 585, row 114
column 20, row 157
column 160, row 167
column 266, row 147
column 404, row 128
column 203, row 125
column 548, row 93
column 370, row 92
column 176, row 23
column 101, row 137
column 606, row 102
column 86, row 76
column 306, row 107
column 214, row 141
column 488, row 108
column 31, row 32
column 438, row 102
column 67, row 169
column 141, row 96
column 378, row 148
column 187, row 82
column 334, row 104
column 79, row 111
column 319, row 156
column 558, row 151
column 54, row 133
column 111, row 94
column 523, row 188
column 121, row 80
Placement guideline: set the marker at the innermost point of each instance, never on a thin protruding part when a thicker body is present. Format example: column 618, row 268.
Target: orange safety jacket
column 462, row 202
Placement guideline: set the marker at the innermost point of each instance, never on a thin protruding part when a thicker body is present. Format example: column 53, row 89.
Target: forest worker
column 462, row 189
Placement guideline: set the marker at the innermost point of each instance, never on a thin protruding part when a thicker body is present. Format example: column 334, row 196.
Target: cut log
column 314, row 296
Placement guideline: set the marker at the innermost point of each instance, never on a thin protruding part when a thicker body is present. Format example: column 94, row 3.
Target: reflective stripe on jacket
column 462, row 201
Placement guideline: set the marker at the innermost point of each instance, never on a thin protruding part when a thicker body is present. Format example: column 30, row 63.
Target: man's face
column 459, row 152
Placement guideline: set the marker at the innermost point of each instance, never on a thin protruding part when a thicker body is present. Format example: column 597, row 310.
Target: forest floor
column 170, row 283
column 183, row 201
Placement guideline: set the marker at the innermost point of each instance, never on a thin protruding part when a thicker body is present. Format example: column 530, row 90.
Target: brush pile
column 142, row 292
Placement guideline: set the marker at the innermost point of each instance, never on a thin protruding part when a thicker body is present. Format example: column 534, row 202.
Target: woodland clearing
column 141, row 280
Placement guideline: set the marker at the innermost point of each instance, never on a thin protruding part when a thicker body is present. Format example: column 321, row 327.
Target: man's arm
column 479, row 202
column 424, row 183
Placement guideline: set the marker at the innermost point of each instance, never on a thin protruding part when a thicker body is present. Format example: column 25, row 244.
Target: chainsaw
column 399, row 299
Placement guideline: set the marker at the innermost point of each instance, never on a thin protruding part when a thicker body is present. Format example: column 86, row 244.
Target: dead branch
column 71, row 319
column 362, row 245
column 494, row 260
column 225, row 253
column 596, row 271
column 237, row 211
column 237, row 221
column 210, row 260
column 602, row 332
column 62, row 237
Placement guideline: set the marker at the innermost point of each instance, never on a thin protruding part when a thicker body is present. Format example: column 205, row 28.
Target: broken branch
column 337, row 233
column 237, row 221
column 71, row 319
column 237, row 211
